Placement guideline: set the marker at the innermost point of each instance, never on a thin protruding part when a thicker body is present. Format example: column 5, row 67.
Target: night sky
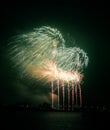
column 87, row 24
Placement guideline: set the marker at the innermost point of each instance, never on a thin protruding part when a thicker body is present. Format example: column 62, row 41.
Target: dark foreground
column 37, row 120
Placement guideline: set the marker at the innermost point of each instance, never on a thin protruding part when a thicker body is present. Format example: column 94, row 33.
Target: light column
column 72, row 95
column 63, row 95
column 52, row 94
column 68, row 96
column 58, row 94
column 80, row 95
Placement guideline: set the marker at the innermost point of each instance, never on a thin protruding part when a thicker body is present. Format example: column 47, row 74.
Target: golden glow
column 54, row 44
column 51, row 72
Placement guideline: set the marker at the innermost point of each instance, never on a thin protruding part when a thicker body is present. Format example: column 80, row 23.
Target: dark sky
column 88, row 24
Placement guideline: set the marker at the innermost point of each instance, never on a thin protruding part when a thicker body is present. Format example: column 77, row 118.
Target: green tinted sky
column 88, row 25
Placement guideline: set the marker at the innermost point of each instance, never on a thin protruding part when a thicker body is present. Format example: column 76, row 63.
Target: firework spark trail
column 72, row 95
column 58, row 94
column 76, row 93
column 72, row 59
column 35, row 48
column 63, row 94
column 68, row 96
column 52, row 94
column 80, row 95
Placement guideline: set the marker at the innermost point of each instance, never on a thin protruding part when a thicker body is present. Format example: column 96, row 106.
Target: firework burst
column 42, row 54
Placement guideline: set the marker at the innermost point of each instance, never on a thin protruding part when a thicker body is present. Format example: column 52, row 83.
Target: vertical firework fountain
column 76, row 95
column 58, row 94
column 68, row 97
column 63, row 94
column 52, row 86
column 72, row 95
column 80, row 95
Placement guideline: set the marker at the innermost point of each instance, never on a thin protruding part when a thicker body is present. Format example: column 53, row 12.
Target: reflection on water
column 67, row 121
column 28, row 120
